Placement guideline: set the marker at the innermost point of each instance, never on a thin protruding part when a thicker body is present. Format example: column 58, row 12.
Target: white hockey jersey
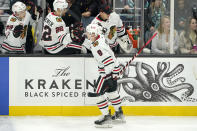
column 11, row 44
column 104, row 56
column 55, row 35
column 112, row 28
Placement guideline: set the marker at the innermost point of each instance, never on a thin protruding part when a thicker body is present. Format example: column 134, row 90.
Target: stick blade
column 91, row 94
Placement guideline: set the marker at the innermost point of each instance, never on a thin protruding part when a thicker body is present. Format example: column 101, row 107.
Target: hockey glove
column 31, row 7
column 126, row 44
column 38, row 12
column 116, row 72
column 18, row 30
column 77, row 33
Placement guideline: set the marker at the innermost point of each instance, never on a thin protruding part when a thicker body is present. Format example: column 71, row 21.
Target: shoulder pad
column 114, row 14
column 13, row 19
column 58, row 19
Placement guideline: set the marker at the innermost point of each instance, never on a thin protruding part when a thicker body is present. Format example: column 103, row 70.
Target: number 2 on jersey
column 47, row 33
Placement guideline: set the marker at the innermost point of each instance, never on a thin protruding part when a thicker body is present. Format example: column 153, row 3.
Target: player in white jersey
column 109, row 70
column 113, row 29
column 56, row 36
column 16, row 29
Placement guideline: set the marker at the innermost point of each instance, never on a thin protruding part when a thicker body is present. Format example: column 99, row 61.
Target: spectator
column 188, row 38
column 128, row 4
column 73, row 15
column 128, row 14
column 126, row 10
column 161, row 43
column 49, row 5
column 90, row 10
column 152, row 17
column 154, row 14
column 181, row 14
column 194, row 11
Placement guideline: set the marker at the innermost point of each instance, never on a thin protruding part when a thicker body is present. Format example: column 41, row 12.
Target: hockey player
column 16, row 29
column 35, row 12
column 109, row 69
column 56, row 36
column 113, row 29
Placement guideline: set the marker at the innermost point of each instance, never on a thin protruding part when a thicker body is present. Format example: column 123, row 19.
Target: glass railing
column 174, row 21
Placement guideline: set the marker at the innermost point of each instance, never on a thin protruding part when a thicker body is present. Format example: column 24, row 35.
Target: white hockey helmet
column 62, row 4
column 94, row 28
column 18, row 7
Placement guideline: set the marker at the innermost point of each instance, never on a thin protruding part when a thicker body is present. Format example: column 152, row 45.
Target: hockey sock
column 115, row 100
column 103, row 105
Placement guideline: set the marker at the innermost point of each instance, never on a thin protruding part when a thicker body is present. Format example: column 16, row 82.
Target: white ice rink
column 134, row 123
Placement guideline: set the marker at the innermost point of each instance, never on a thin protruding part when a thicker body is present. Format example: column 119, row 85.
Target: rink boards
column 59, row 85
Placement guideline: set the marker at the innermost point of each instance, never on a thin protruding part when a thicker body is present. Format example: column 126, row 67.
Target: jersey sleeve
column 120, row 26
column 11, row 23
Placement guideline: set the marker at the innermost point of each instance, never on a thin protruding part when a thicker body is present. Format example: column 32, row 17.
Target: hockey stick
column 91, row 94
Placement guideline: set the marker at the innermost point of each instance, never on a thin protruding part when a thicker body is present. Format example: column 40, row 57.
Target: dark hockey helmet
column 105, row 8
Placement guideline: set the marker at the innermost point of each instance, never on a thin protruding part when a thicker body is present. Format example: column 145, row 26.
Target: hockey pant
column 7, row 48
column 107, row 87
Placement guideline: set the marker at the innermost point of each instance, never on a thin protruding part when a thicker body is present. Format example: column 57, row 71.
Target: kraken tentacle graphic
column 148, row 85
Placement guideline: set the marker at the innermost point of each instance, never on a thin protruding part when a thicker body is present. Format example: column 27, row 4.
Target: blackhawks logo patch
column 95, row 44
column 59, row 19
column 13, row 19
column 112, row 32
column 28, row 7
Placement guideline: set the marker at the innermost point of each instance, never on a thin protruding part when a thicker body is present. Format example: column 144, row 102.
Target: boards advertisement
column 4, row 86
column 62, row 82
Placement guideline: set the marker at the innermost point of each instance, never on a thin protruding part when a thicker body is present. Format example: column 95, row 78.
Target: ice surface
column 64, row 123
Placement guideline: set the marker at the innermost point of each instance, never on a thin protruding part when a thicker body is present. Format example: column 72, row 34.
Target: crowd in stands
column 156, row 20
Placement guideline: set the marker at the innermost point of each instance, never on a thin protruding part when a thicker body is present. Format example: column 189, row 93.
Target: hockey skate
column 104, row 121
column 118, row 116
